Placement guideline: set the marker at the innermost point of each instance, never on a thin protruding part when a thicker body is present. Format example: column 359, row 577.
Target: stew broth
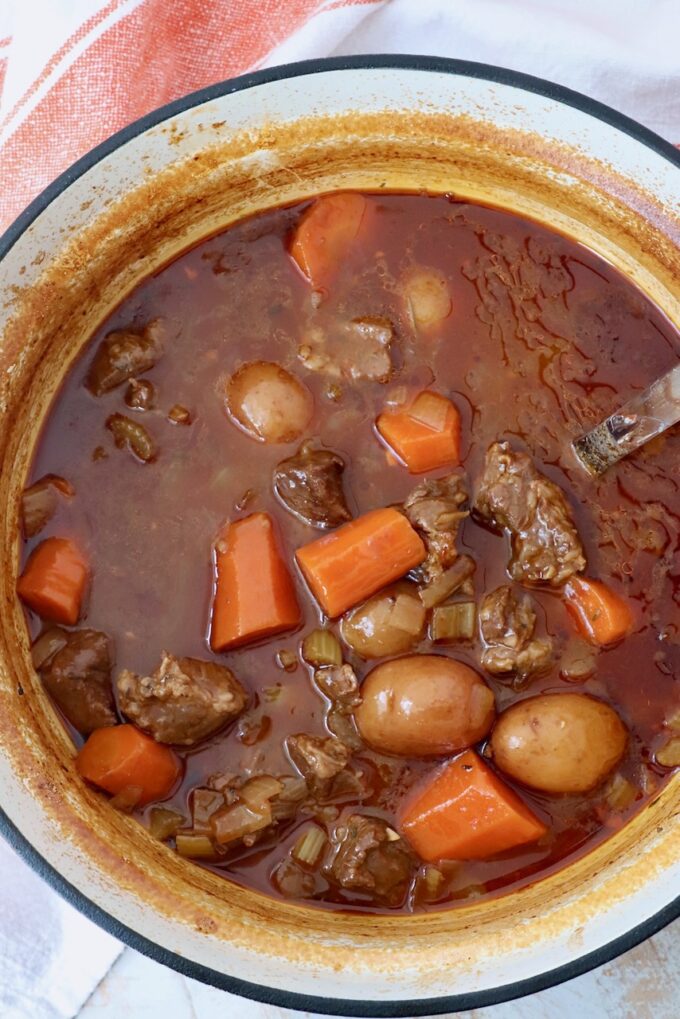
column 543, row 340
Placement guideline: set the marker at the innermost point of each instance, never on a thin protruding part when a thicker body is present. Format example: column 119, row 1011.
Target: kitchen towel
column 74, row 71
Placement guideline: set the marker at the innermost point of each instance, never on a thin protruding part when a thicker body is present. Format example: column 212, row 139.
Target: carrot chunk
column 601, row 615
column 325, row 234
column 465, row 812
column 254, row 592
column 426, row 435
column 54, row 580
column 121, row 756
column 359, row 558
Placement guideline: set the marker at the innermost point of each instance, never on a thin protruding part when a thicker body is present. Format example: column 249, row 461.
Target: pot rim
column 24, row 848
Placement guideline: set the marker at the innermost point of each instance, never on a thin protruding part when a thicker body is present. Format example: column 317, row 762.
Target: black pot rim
column 234, row 985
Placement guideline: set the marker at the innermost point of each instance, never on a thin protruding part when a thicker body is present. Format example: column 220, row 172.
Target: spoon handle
column 639, row 420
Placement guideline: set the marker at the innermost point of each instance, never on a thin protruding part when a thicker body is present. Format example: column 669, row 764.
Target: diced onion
column 259, row 790
column 286, row 660
column 669, row 754
column 433, row 882
column 194, row 846
column 232, row 823
column 310, row 846
column 578, row 661
column 321, row 647
column 673, row 722
column 407, row 614
column 127, row 799
column 448, row 582
column 620, row 793
column 293, row 881
column 164, row 823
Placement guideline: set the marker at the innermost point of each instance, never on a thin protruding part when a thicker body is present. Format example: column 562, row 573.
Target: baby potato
column 424, row 706
column 268, row 402
column 426, row 297
column 559, row 742
column 389, row 623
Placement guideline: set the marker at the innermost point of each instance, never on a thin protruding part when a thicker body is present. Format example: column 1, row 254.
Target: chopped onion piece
column 231, row 823
column 310, row 846
column 286, row 660
column 321, row 647
column 127, row 799
column 407, row 614
column 673, row 722
column 669, row 754
column 453, row 622
column 164, row 823
column 620, row 793
column 194, row 846
column 448, row 582
column 433, row 882
column 259, row 790
column 578, row 661
column 292, row 881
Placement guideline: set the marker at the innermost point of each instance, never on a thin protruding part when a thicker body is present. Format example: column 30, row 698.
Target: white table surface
column 642, row 984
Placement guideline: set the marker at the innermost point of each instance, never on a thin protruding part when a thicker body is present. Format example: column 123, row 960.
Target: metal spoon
column 638, row 421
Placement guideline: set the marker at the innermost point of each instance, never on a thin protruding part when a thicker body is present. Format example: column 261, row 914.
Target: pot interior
column 153, row 196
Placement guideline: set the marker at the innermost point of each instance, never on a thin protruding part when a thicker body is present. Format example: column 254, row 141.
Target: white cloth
column 51, row 957
column 623, row 52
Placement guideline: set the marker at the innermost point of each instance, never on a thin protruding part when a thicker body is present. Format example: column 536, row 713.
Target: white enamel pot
column 404, row 123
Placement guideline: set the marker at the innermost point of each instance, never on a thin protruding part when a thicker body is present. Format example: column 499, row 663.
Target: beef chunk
column 318, row 760
column 513, row 495
column 507, row 625
column 340, row 684
column 310, row 486
column 123, row 354
column 435, row 508
column 371, row 857
column 78, row 677
column 183, row 701
column 356, row 349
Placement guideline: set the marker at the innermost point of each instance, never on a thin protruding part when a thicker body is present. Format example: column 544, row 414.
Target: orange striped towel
column 74, row 71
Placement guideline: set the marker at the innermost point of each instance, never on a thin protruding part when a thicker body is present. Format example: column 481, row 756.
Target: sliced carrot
column 359, row 558
column 601, row 615
column 120, row 756
column 254, row 592
column 325, row 234
column 465, row 812
column 54, row 580
column 426, row 435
